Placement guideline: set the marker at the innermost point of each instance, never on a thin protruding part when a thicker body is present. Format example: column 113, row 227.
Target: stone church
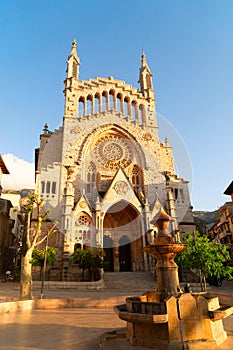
column 104, row 173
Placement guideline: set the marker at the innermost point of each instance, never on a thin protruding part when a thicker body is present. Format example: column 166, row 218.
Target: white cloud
column 22, row 173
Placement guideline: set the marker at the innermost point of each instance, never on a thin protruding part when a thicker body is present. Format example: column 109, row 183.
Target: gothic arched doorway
column 122, row 223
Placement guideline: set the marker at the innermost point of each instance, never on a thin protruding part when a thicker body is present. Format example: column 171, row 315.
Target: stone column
column 122, row 105
column 93, row 105
column 136, row 112
column 115, row 101
column 116, row 259
column 129, row 108
column 84, row 107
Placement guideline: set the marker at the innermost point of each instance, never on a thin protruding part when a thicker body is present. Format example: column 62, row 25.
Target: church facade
column 104, row 173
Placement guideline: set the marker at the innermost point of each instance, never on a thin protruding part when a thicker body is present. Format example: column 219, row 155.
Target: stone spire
column 74, row 48
column 73, row 62
column 145, row 78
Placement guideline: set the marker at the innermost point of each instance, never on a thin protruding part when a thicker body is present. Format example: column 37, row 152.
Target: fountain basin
column 163, row 249
column 188, row 321
column 167, row 319
column 166, row 268
column 222, row 312
column 138, row 318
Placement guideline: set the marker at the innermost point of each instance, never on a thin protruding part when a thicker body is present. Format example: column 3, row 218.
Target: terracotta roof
column 3, row 166
column 229, row 189
column 228, row 205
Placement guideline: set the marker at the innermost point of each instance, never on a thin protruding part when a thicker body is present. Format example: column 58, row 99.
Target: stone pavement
column 69, row 329
column 56, row 329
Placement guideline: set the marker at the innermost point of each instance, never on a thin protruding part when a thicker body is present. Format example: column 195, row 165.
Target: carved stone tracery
column 111, row 151
column 121, row 187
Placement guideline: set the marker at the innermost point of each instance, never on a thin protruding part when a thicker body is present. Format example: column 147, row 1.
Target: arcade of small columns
column 107, row 100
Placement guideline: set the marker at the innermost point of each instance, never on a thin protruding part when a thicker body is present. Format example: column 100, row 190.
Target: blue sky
column 189, row 49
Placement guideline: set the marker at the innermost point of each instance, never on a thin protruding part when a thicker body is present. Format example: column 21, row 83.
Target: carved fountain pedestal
column 167, row 318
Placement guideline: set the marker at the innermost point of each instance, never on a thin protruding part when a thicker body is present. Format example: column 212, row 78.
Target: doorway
column 122, row 222
column 108, row 259
column 124, row 254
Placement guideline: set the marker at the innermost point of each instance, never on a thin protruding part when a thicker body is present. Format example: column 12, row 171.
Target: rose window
column 113, row 151
column 83, row 220
column 110, row 152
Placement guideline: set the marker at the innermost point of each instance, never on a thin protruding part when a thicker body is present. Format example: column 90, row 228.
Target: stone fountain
column 167, row 318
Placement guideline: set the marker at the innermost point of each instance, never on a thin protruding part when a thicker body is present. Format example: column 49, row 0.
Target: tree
column 90, row 259
column 207, row 258
column 33, row 237
column 38, row 256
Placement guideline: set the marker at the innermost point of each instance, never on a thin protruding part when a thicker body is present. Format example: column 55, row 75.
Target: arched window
column 81, row 107
column 111, row 99
column 148, row 81
column 53, row 187
column 77, row 246
column 97, row 103
column 74, row 70
column 48, row 187
column 89, row 105
column 136, row 177
column 127, row 111
column 142, row 117
column 104, row 101
column 119, row 103
column 134, row 111
column 42, row 186
column 91, row 177
column 83, row 219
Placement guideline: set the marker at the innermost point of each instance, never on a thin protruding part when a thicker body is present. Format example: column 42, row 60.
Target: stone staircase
column 129, row 281
column 138, row 281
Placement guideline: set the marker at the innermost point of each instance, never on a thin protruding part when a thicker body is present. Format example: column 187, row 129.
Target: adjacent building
column 17, row 227
column 3, row 170
column 222, row 229
column 6, row 224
